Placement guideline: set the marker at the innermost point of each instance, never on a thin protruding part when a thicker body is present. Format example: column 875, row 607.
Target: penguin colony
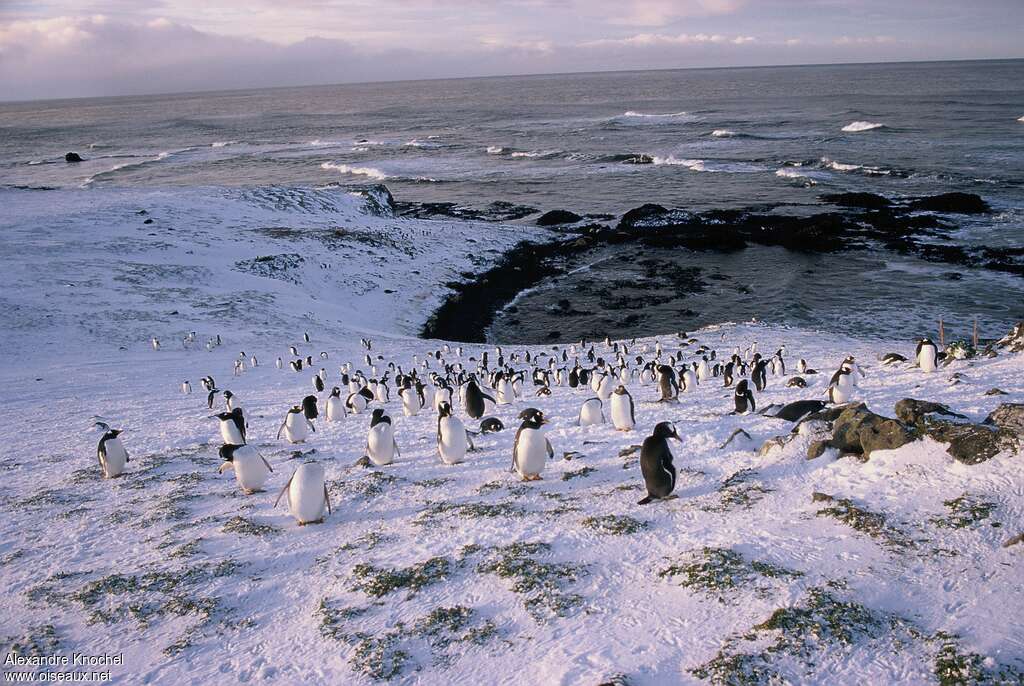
column 461, row 389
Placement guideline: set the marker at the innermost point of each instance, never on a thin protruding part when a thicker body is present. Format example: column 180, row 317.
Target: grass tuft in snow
column 722, row 573
column 873, row 524
column 368, row 484
column 616, row 525
column 953, row 668
column 576, row 474
column 380, row 581
column 736, row 491
column 246, row 527
column 41, row 639
column 472, row 510
column 964, row 512
column 542, row 583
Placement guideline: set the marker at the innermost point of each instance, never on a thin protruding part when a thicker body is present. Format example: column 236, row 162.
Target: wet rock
column 557, row 217
column 861, row 432
column 959, row 203
column 642, row 213
column 819, row 497
column 73, row 157
column 638, row 159
column 1013, row 341
column 817, row 448
column 378, row 199
column 973, row 443
column 996, row 391
column 1009, row 416
column 916, row 412
column 868, row 201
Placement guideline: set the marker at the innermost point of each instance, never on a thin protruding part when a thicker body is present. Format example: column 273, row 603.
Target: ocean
column 710, row 138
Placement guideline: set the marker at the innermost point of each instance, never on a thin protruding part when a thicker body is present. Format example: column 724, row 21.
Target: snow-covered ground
column 435, row 574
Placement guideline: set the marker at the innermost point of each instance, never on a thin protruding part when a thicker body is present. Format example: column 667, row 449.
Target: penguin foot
column 645, row 501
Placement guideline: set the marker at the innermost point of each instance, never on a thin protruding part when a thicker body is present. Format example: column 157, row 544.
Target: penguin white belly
column 250, row 470
column 703, row 372
column 622, row 416
column 452, row 444
column 517, row 388
column 443, row 395
column 335, row 409
column 595, row 382
column 591, row 413
column 604, row 389
column 353, row 386
column 926, row 360
column 840, row 393
column 115, row 459
column 689, row 381
column 381, row 393
column 429, row 395
column 306, row 494
column 230, row 434
column 380, row 444
column 646, row 377
column 624, row 376
column 531, row 452
column 506, row 394
column 356, row 403
column 410, row 402
column 296, row 430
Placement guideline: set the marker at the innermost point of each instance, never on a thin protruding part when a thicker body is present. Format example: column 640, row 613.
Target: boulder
column 1009, row 416
column 959, row 203
column 638, row 159
column 1013, row 341
column 638, row 214
column 858, row 430
column 73, row 157
column 916, row 412
column 817, row 448
column 973, row 443
column 557, row 217
column 868, row 201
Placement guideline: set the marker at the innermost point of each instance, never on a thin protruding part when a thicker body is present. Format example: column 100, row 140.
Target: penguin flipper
column 645, row 501
column 224, row 466
column 327, row 497
column 469, row 439
column 284, row 490
column 283, row 424
column 551, row 451
column 101, row 456
column 311, row 427
column 266, row 463
column 209, row 398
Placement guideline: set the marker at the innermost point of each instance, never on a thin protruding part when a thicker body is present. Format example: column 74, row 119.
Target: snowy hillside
column 895, row 572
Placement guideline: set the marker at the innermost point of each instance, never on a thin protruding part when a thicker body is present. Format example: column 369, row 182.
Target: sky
column 61, row 48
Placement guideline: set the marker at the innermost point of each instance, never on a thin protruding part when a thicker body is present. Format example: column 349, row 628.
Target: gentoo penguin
column 381, row 392
column 504, row 393
column 412, row 400
column 841, row 388
column 605, row 387
column 927, row 355
column 452, row 438
column 743, row 398
column 592, row 412
column 656, row 463
column 232, row 426
column 111, row 453
column 531, row 448
column 703, row 370
column 491, row 425
column 309, row 407
column 231, row 401
column 295, row 426
column 474, row 401
column 335, row 406
column 318, row 383
column 357, row 402
column 186, row 387
column 892, row 358
column 795, row 411
column 689, row 380
column 442, row 394
column 155, row 342
column 622, row 410
column 279, row 363
column 667, row 383
column 796, row 382
column 759, row 375
column 727, row 372
column 251, row 468
column 307, row 494
column 381, row 446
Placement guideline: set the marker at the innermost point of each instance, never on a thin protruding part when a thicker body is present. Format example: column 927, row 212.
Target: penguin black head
column 378, row 416
column 620, row 390
column 741, row 387
column 532, row 418
column 227, row 452
column 444, row 410
column 224, row 416
column 666, row 430
column 335, row 392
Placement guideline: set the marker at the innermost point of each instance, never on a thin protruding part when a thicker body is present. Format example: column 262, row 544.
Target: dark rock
column 861, row 432
column 818, row 497
column 916, row 412
column 868, row 201
column 644, row 212
column 959, row 203
column 831, row 414
column 638, row 159
column 817, row 448
column 378, row 199
column 996, row 391
column 1019, row 538
column 148, row 221
column 972, row 443
column 1013, row 341
column 557, row 217
column 73, row 157
column 1009, row 416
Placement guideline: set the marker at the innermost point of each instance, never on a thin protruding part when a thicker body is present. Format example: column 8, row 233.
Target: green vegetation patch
column 616, row 525
column 873, row 524
column 543, row 584
column 380, row 581
column 722, row 573
column 964, row 512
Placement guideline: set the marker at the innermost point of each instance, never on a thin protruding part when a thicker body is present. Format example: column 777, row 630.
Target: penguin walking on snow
column 296, row 426
column 381, row 446
column 307, row 494
column 111, row 453
column 232, row 426
column 452, row 438
column 667, row 383
column 622, row 409
column 251, row 468
column 591, row 413
column 186, row 387
column 531, row 448
column 840, row 389
column 474, row 402
column 656, row 463
column 743, row 398
column 335, row 406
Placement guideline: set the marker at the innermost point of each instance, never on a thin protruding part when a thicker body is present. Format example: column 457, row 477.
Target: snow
column 206, row 596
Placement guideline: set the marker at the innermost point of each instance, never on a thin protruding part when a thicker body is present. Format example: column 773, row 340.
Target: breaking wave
column 858, row 126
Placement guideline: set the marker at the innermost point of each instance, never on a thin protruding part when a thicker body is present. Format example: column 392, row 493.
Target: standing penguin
column 309, row 407
column 381, row 446
column 689, row 380
column 656, row 463
column 841, row 387
column 531, row 448
column 335, row 406
column 318, row 383
column 474, row 401
column 452, row 438
column 307, row 494
column 759, row 374
column 412, row 400
column 232, row 426
column 111, row 453
column 623, row 412
column 592, row 412
column 743, row 398
column 186, row 387
column 295, row 426
column 927, row 355
column 667, row 383
column 251, row 468
column 357, row 402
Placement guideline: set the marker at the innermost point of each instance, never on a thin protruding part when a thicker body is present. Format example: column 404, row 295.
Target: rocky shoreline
column 917, row 227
